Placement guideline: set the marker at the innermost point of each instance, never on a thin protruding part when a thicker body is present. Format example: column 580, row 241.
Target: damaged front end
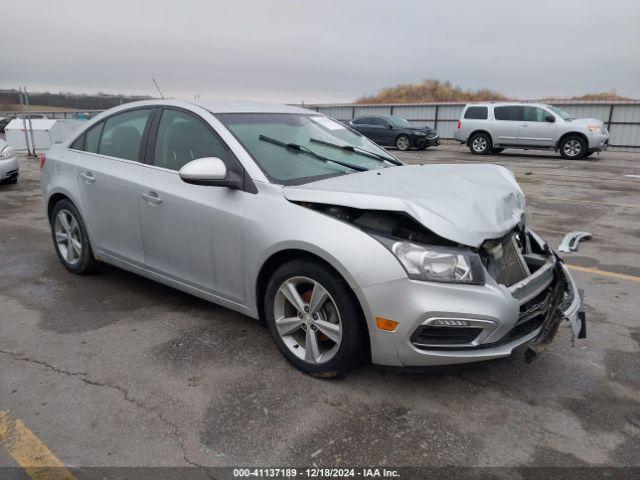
column 519, row 265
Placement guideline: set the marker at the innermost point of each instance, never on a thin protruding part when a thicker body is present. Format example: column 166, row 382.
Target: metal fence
column 622, row 119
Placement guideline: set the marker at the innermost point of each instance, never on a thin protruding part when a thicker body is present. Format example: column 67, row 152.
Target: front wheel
column 573, row 147
column 313, row 320
column 70, row 238
column 480, row 144
column 403, row 143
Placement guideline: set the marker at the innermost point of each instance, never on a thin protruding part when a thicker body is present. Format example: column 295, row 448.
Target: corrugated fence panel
column 415, row 112
column 626, row 113
column 337, row 112
column 601, row 112
column 628, row 136
column 449, row 112
column 372, row 110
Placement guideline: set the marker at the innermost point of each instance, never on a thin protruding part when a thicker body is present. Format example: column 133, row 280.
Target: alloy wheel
column 403, row 143
column 68, row 238
column 572, row 148
column 479, row 144
column 307, row 320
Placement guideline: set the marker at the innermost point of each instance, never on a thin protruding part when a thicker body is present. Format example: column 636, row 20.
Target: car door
column 506, row 124
column 384, row 132
column 364, row 125
column 535, row 130
column 190, row 233
column 108, row 175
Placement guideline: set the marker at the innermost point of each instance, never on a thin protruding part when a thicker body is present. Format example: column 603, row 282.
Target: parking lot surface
column 116, row 370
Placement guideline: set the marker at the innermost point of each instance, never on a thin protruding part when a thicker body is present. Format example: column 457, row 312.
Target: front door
column 535, row 130
column 191, row 233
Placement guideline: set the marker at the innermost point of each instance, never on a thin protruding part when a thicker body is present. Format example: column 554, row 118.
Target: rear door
column 535, row 130
column 191, row 233
column 109, row 172
column 506, row 124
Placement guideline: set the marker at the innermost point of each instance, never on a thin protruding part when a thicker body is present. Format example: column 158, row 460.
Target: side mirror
column 550, row 119
column 209, row 171
column 390, row 127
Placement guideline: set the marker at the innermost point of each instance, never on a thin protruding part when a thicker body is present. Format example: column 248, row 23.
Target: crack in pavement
column 125, row 393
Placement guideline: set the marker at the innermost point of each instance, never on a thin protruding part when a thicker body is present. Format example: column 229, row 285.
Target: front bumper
column 507, row 315
column 598, row 142
column 422, row 141
column 9, row 168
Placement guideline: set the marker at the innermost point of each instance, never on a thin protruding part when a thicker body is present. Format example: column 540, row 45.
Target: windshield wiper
column 311, row 153
column 359, row 150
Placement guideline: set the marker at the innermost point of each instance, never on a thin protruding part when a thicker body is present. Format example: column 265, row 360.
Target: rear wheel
column 480, row 144
column 403, row 143
column 313, row 319
column 70, row 238
column 573, row 147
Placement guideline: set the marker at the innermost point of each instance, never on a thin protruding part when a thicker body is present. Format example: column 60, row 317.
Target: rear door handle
column 152, row 198
column 525, row 124
column 88, row 177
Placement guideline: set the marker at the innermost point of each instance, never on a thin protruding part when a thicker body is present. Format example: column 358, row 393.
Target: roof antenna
column 159, row 91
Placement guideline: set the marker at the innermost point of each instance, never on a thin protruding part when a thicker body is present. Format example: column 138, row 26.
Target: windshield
column 400, row 122
column 561, row 113
column 294, row 148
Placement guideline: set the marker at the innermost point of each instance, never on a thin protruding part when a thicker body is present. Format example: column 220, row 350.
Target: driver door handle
column 525, row 124
column 152, row 198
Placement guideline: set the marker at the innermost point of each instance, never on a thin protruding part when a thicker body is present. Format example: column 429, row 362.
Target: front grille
column 505, row 263
column 427, row 335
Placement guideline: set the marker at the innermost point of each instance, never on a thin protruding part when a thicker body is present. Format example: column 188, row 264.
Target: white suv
column 491, row 127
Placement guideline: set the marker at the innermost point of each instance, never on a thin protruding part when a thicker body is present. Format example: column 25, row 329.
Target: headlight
column 594, row 128
column 420, row 134
column 437, row 264
column 7, row 152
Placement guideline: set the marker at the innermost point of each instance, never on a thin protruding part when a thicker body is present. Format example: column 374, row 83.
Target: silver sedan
column 287, row 215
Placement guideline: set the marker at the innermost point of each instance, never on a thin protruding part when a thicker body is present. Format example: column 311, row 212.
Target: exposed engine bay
column 508, row 260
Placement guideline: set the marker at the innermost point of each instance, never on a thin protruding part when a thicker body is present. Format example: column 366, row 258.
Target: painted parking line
column 29, row 452
column 604, row 273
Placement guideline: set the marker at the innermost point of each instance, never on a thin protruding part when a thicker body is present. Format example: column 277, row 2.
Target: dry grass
column 429, row 91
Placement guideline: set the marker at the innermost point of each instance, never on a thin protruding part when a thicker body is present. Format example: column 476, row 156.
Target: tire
column 480, row 144
column 403, row 143
column 573, row 147
column 338, row 348
column 66, row 221
column 11, row 181
column 496, row 151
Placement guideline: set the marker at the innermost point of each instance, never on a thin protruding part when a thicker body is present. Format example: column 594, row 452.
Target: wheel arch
column 572, row 134
column 55, row 198
column 273, row 262
column 475, row 132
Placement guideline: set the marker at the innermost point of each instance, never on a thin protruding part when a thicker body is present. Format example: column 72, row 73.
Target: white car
column 9, row 165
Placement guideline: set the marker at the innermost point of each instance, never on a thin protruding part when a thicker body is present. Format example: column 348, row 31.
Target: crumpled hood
column 467, row 204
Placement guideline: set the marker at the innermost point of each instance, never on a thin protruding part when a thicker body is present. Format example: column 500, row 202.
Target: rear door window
column 477, row 113
column 512, row 113
column 122, row 134
column 92, row 138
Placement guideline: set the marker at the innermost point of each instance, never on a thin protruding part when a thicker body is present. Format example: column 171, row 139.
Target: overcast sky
column 320, row 50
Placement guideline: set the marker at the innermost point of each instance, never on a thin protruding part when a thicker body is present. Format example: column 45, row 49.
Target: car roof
column 220, row 106
column 505, row 104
